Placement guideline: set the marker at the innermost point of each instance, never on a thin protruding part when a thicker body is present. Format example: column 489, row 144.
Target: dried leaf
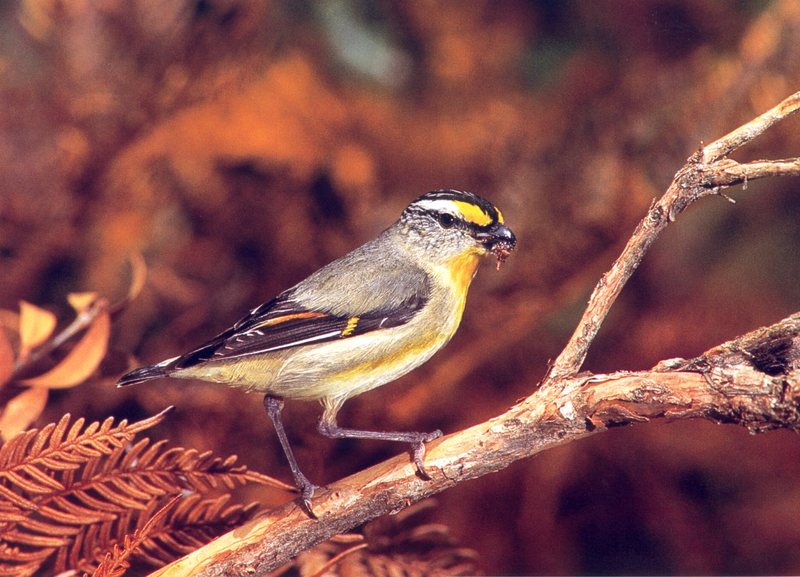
column 81, row 301
column 6, row 358
column 35, row 326
column 138, row 278
column 40, row 494
column 194, row 522
column 397, row 545
column 9, row 320
column 67, row 506
column 336, row 559
column 81, row 361
column 116, row 561
column 21, row 411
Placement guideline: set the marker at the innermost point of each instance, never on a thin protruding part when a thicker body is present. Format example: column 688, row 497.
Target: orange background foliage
column 239, row 145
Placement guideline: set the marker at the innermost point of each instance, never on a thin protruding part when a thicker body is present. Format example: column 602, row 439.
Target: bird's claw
column 418, row 452
column 306, row 489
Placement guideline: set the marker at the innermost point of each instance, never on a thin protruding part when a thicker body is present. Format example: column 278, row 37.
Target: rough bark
column 751, row 381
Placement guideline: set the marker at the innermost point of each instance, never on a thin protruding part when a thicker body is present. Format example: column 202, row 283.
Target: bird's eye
column 446, row 220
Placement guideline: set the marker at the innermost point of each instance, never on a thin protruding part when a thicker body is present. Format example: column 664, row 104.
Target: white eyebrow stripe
column 439, row 205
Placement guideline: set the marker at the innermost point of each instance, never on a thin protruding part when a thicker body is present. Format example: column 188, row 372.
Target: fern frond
column 12, row 503
column 192, row 523
column 70, row 493
column 116, row 561
column 28, row 460
column 398, row 545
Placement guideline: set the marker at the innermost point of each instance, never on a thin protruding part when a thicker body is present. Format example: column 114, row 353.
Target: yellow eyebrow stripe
column 473, row 213
column 352, row 323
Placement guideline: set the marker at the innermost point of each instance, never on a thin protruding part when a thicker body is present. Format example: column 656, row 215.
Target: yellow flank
column 414, row 349
column 352, row 323
column 473, row 213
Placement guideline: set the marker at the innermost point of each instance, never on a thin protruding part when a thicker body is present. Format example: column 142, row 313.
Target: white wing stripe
column 279, row 347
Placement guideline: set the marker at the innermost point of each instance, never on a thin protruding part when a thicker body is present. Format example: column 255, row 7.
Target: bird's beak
column 499, row 240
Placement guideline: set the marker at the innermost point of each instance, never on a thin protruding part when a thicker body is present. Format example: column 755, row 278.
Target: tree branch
column 702, row 175
column 729, row 172
column 722, row 147
column 752, row 381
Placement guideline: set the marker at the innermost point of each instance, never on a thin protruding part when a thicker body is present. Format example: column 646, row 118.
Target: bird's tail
column 143, row 374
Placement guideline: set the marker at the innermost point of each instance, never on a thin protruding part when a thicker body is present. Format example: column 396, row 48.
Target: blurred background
column 239, row 145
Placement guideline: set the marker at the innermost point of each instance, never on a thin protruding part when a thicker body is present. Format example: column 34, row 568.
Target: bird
column 355, row 324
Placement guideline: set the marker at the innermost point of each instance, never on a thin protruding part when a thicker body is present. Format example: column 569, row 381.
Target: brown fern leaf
column 16, row 561
column 27, row 461
column 67, row 496
column 193, row 523
column 397, row 545
column 188, row 523
column 35, row 469
column 116, row 561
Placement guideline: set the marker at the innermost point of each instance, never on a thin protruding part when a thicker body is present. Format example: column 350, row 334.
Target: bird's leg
column 273, row 405
column 329, row 428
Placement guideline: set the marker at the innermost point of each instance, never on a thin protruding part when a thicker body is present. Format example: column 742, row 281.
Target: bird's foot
column 418, row 452
column 306, row 489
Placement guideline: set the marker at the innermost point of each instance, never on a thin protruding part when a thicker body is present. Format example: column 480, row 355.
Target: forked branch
column 751, row 381
column 706, row 172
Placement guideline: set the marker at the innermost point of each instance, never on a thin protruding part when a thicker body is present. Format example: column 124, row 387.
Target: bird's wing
column 283, row 323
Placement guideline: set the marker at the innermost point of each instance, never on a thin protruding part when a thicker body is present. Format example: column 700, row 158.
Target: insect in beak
column 500, row 241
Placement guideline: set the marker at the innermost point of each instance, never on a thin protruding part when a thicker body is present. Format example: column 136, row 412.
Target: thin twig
column 736, row 138
column 730, row 173
column 704, row 172
column 336, row 559
column 82, row 321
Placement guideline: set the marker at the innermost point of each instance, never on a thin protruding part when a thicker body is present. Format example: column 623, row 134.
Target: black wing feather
column 283, row 323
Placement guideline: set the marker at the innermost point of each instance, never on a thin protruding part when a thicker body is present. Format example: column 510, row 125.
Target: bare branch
column 747, row 132
column 704, row 172
column 753, row 381
column 729, row 172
